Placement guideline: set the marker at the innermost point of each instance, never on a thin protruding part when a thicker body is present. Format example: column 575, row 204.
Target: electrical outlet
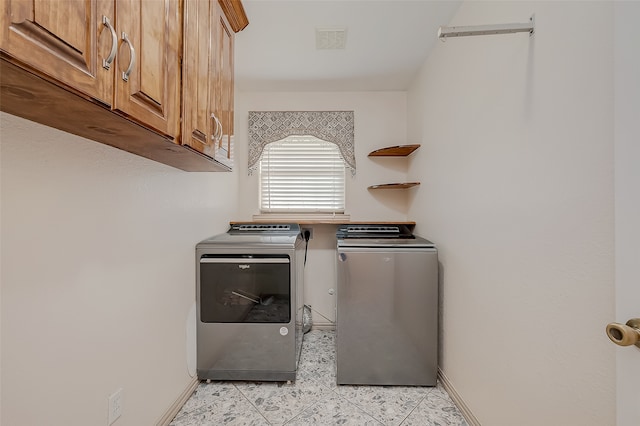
column 310, row 232
column 115, row 406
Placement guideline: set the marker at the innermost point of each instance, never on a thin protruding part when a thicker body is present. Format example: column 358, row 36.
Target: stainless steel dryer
column 387, row 313
column 249, row 303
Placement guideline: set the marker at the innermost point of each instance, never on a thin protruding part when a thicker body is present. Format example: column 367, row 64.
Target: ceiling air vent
column 331, row 38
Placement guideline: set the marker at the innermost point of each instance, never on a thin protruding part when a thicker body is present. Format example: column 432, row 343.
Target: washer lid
column 408, row 243
column 260, row 239
column 390, row 230
column 272, row 228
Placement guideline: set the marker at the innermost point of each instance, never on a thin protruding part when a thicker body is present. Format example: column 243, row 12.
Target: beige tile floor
column 315, row 398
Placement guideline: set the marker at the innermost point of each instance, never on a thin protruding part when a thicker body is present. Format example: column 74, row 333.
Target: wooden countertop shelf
column 394, row 151
column 403, row 185
column 304, row 221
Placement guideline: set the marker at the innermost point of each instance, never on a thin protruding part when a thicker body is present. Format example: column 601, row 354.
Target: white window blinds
column 302, row 174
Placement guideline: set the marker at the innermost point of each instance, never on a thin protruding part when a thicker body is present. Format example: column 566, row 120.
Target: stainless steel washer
column 387, row 308
column 249, row 303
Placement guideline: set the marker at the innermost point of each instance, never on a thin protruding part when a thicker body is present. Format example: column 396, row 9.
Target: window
column 302, row 174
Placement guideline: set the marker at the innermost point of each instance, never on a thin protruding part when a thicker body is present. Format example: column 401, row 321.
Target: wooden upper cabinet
column 147, row 81
column 111, row 71
column 123, row 53
column 72, row 42
column 198, row 70
column 223, row 101
column 208, row 84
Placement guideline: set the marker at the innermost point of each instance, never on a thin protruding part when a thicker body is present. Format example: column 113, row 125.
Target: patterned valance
column 331, row 126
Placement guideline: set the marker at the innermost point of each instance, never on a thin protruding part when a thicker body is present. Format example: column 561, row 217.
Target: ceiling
column 386, row 43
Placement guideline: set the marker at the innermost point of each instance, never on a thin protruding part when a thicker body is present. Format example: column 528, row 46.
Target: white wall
column 380, row 120
column 517, row 193
column 98, row 276
column 627, row 204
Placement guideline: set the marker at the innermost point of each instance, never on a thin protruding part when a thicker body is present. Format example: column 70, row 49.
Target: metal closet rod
column 473, row 30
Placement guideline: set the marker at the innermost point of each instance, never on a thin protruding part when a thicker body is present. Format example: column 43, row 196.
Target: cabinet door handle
column 221, row 130
column 106, row 63
column 215, row 131
column 217, row 134
column 132, row 62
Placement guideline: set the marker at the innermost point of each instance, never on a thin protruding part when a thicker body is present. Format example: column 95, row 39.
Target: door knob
column 625, row 334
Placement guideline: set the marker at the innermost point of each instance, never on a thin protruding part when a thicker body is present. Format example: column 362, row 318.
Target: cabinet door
column 70, row 41
column 223, row 86
column 148, row 64
column 197, row 86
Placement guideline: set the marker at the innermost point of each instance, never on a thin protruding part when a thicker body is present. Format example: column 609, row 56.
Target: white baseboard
column 457, row 399
column 323, row 326
column 177, row 405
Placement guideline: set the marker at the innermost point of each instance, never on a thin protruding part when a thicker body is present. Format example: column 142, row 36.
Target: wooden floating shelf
column 404, row 185
column 303, row 221
column 394, row 151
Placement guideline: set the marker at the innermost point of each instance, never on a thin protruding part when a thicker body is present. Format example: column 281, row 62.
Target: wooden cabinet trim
column 235, row 13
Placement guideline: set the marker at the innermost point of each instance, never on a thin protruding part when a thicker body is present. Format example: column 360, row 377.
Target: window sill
column 303, row 218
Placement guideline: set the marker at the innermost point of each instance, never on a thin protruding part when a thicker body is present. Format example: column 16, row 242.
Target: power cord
column 306, row 236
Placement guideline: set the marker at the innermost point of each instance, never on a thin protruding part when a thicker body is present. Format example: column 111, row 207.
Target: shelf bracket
column 526, row 27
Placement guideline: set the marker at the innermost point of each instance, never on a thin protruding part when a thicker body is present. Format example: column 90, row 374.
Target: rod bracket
column 465, row 31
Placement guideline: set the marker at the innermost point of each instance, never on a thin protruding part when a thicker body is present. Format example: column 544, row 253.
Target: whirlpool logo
column 244, row 266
